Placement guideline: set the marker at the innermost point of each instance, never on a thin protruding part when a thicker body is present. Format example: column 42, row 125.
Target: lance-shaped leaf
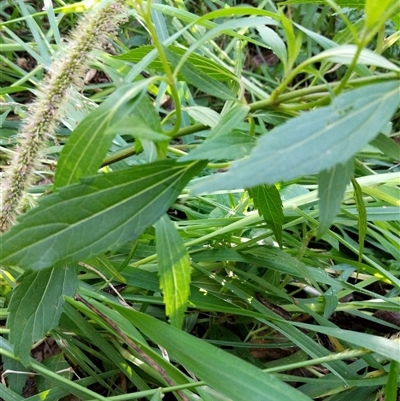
column 92, row 138
column 331, row 186
column 314, row 141
column 36, row 305
column 268, row 202
column 99, row 214
column 173, row 269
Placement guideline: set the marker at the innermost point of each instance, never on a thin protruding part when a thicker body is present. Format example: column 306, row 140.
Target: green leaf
column 273, row 40
column 200, row 79
column 387, row 146
column 345, row 54
column 314, row 141
column 362, row 217
column 267, row 201
column 376, row 12
column 331, row 187
column 388, row 348
column 101, row 213
column 221, row 142
column 226, row 373
column 91, row 140
column 201, row 63
column 36, row 305
column 9, row 395
column 174, row 270
column 204, row 115
column 229, row 146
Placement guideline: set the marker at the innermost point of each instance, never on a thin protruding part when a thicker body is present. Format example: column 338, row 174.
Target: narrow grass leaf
column 362, row 217
column 314, row 141
column 99, row 214
column 173, row 269
column 91, row 140
column 268, row 202
column 331, row 187
column 36, row 305
column 8, row 395
column 392, row 384
column 222, row 371
column 389, row 348
column 387, row 146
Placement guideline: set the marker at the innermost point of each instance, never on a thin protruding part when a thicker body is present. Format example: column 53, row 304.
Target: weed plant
column 200, row 200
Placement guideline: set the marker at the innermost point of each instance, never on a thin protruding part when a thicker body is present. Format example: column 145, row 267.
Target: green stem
column 167, row 69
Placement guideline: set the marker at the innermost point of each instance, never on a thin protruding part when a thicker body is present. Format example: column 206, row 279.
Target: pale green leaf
column 36, row 305
column 386, row 347
column 314, row 141
column 230, row 120
column 345, row 54
column 273, row 40
column 221, row 142
column 222, row 371
column 91, row 140
column 331, row 187
column 174, row 270
column 223, row 147
column 203, row 115
column 99, row 214
column 268, row 202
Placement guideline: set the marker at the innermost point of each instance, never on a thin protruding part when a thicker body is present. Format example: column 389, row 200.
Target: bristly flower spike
column 44, row 114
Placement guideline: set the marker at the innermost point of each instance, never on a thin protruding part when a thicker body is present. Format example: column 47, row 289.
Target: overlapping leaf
column 226, row 373
column 101, row 213
column 91, row 140
column 36, row 306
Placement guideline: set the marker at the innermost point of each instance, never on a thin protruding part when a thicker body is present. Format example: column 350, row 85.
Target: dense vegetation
column 200, row 200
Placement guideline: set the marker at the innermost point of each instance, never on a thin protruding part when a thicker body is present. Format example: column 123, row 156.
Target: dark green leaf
column 200, row 79
column 267, row 201
column 331, row 187
column 36, row 305
column 99, row 214
column 202, row 63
